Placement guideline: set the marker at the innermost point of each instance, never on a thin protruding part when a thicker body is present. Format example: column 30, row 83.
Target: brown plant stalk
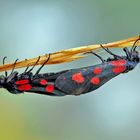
column 70, row 54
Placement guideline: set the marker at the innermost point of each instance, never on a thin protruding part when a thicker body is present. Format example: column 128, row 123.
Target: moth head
column 135, row 56
column 2, row 81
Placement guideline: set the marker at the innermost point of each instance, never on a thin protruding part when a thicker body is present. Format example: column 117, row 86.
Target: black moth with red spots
column 71, row 82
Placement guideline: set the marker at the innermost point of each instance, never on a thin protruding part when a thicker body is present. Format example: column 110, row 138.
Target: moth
column 74, row 81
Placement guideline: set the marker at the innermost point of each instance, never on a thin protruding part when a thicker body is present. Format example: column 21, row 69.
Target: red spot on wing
column 25, row 87
column 118, row 70
column 21, row 82
column 97, row 70
column 95, row 80
column 119, row 66
column 43, row 82
column 78, row 77
column 121, row 62
column 50, row 88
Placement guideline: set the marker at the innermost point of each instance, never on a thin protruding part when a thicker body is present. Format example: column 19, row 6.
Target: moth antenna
column 37, row 72
column 3, row 64
column 4, row 59
column 134, row 45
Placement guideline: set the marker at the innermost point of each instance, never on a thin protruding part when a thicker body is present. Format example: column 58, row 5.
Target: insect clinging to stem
column 74, row 81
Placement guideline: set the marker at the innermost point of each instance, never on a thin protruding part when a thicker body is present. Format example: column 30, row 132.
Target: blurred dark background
column 31, row 28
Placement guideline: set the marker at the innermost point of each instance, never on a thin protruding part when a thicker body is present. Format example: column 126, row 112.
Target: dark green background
column 31, row 28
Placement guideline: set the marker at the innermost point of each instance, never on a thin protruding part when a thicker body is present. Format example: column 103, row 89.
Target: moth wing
column 39, row 85
column 83, row 80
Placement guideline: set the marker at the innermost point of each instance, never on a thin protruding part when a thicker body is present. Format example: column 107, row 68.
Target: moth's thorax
column 130, row 65
column 125, row 64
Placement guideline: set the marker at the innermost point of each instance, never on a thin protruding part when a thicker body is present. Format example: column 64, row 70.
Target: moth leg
column 11, row 76
column 128, row 53
column 14, row 66
column 96, row 56
column 26, row 68
column 37, row 72
column 108, row 51
column 32, row 67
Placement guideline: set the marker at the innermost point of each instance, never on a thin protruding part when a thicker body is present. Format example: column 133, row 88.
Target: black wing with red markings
column 75, row 81
column 80, row 81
